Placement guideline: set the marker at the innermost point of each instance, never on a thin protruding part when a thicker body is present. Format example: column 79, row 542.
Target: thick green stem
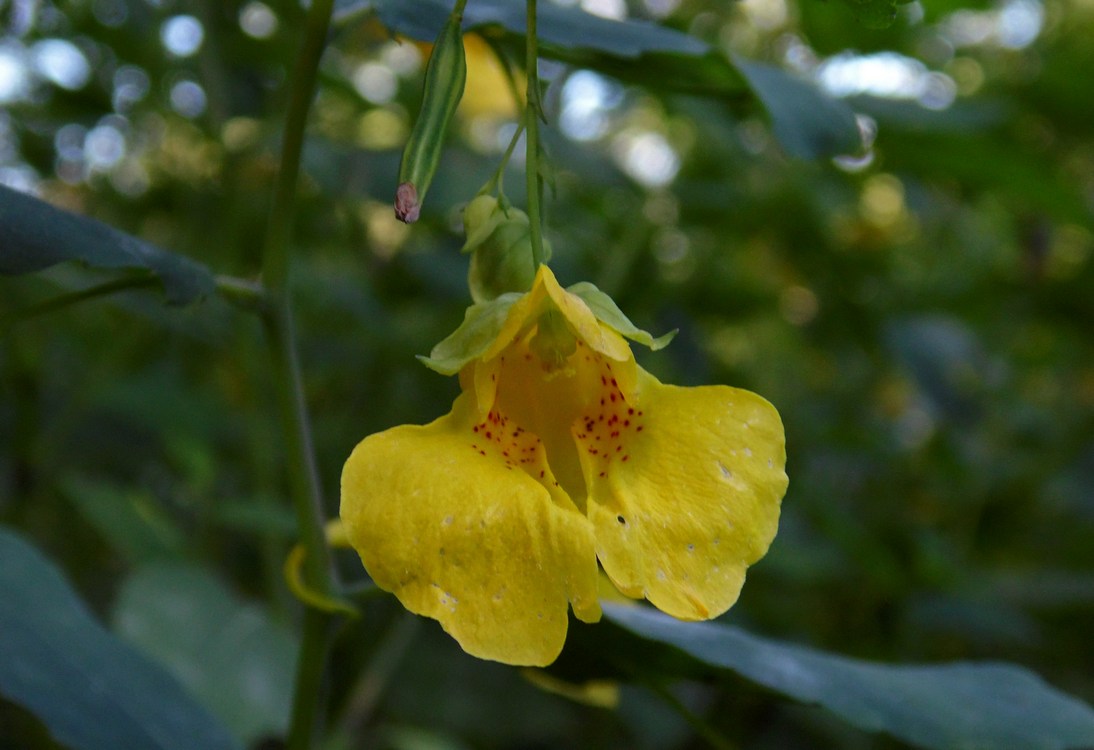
column 275, row 258
column 532, row 115
column 304, row 487
column 308, row 688
column 295, row 428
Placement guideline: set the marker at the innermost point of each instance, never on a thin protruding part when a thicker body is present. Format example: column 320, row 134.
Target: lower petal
column 493, row 551
column 690, row 497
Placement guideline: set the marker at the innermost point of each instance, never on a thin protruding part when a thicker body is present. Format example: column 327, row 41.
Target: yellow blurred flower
column 487, row 92
column 562, row 451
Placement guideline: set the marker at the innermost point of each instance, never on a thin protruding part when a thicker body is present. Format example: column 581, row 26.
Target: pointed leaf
column 35, row 235
column 808, row 123
column 481, row 324
column 88, row 688
column 606, row 311
column 962, row 704
column 566, row 27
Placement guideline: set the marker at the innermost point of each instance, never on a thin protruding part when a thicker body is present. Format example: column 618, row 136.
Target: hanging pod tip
column 407, row 207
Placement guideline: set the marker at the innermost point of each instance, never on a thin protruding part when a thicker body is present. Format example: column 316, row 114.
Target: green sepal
column 481, row 325
column 480, row 218
column 499, row 240
column 607, row 312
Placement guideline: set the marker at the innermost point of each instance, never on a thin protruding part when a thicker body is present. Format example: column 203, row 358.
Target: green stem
column 701, row 726
column 374, row 680
column 288, row 382
column 275, row 258
column 308, row 686
column 532, row 114
column 498, row 179
column 307, row 501
column 245, row 294
column 72, row 298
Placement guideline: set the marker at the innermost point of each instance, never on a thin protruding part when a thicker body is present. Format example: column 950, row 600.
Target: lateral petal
column 688, row 494
column 462, row 520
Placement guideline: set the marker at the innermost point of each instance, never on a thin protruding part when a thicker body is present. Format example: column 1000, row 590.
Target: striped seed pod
column 445, row 75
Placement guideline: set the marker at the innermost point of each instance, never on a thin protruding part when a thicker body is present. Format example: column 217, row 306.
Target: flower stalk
column 532, row 114
column 277, row 316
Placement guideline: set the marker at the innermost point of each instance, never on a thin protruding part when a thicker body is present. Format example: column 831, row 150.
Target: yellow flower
column 562, row 451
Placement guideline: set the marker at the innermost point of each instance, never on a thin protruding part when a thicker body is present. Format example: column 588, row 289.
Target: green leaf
column 969, row 705
column 129, row 519
column 230, row 655
column 874, row 14
column 808, row 123
column 606, row 311
column 563, row 27
column 90, row 690
column 481, row 324
column 35, row 235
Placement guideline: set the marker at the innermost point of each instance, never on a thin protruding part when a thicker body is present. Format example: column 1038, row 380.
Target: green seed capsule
column 444, row 80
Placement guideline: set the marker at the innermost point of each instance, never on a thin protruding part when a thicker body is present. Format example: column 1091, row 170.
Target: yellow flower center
column 559, row 412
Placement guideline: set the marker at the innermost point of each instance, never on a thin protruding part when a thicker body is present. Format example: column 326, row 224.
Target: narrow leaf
column 808, row 123
column 35, row 235
column 566, row 27
column 962, row 704
column 88, row 688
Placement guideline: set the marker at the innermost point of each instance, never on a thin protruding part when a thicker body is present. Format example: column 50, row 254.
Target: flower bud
column 500, row 244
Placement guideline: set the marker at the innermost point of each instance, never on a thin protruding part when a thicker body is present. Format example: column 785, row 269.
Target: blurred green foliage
column 920, row 313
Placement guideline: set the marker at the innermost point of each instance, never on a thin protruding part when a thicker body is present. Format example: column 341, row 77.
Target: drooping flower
column 561, row 452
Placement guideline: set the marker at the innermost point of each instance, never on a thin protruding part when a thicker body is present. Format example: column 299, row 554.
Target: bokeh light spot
column 62, row 63
column 257, row 20
column 182, row 35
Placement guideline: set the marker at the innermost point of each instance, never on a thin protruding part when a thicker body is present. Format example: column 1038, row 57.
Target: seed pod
column 445, row 76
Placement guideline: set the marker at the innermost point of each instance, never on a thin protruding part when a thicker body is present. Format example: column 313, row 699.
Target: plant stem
column 275, row 257
column 701, row 726
column 532, row 113
column 308, row 687
column 72, row 298
column 300, row 456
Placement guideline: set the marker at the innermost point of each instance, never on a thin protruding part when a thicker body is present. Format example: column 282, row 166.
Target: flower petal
column 688, row 494
column 547, row 291
column 458, row 532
